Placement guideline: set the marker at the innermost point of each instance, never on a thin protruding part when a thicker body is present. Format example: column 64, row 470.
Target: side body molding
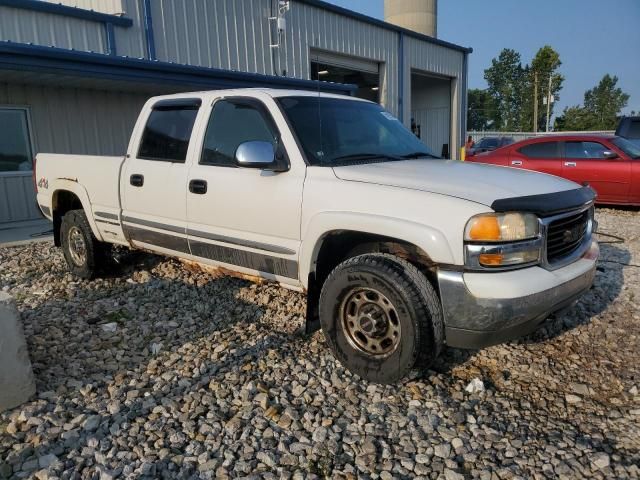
column 430, row 240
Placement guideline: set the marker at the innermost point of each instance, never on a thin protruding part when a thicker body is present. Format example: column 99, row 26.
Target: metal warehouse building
column 73, row 75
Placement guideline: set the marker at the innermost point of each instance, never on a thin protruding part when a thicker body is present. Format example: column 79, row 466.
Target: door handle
column 570, row 164
column 199, row 187
column 516, row 162
column 136, row 180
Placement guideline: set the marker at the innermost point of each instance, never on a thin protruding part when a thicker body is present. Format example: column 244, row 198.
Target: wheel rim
column 370, row 322
column 77, row 246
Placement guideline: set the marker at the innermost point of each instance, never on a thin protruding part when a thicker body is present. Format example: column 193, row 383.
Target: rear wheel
column 381, row 317
column 83, row 252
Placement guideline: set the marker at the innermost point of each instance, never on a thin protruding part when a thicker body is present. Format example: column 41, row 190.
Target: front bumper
column 482, row 309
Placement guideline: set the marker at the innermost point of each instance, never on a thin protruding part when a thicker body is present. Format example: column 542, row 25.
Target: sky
column 593, row 37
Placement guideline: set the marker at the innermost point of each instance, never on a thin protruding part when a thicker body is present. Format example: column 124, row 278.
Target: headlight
column 501, row 227
column 502, row 241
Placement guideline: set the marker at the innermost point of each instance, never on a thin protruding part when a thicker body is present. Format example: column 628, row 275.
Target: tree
column 512, row 87
column 505, row 80
column 480, row 110
column 573, row 119
column 602, row 106
column 604, row 102
column 544, row 66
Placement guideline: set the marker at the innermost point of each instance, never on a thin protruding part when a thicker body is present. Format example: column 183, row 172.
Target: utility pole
column 535, row 102
column 549, row 101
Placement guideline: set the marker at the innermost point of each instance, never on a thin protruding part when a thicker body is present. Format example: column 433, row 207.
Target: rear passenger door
column 584, row 163
column 541, row 156
column 246, row 219
column 154, row 178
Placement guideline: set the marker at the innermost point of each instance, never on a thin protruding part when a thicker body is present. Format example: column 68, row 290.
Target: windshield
column 627, row 147
column 335, row 131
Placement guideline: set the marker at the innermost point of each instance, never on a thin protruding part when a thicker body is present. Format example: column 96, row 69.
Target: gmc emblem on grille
column 573, row 234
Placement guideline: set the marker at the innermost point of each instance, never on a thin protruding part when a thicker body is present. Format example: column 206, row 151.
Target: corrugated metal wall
column 76, row 121
column 235, row 34
column 26, row 26
column 112, row 7
column 17, row 198
column 131, row 41
column 65, row 120
column 435, row 59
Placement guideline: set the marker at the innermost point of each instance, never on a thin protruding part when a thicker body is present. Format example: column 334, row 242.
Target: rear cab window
column 168, row 130
column 541, row 150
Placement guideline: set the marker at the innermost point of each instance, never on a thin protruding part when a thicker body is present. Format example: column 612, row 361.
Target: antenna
column 280, row 22
column 319, row 73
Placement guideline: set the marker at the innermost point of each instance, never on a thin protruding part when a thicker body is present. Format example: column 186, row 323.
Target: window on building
column 368, row 83
column 584, row 150
column 15, row 144
column 167, row 133
column 540, row 150
column 234, row 122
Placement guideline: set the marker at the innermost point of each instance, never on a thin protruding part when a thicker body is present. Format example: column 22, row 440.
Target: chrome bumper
column 473, row 321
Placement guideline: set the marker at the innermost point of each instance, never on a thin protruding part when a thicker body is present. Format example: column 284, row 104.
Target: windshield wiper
column 413, row 155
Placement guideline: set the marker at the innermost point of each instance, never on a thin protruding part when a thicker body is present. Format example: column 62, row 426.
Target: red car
column 609, row 164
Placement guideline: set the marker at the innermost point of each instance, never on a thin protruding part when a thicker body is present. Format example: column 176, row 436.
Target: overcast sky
column 593, row 37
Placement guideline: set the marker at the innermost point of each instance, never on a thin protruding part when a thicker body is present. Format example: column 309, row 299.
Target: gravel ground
column 163, row 371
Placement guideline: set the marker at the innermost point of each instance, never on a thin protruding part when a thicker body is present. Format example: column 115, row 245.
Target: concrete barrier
column 17, row 383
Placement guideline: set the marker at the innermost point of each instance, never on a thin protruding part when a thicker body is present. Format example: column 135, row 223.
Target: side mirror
column 609, row 155
column 256, row 155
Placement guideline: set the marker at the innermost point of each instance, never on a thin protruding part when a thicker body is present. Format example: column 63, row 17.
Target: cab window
column 584, row 150
column 232, row 123
column 168, row 130
column 541, row 150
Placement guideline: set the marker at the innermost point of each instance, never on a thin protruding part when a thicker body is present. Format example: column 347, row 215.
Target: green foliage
column 546, row 63
column 602, row 106
column 512, row 86
column 480, row 110
column 505, row 80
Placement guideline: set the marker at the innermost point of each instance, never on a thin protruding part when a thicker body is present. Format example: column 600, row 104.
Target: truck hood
column 476, row 182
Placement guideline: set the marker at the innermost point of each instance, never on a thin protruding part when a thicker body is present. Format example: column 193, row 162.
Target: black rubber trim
column 45, row 210
column 242, row 258
column 175, row 103
column 159, row 226
column 112, row 216
column 546, row 204
column 243, row 243
column 162, row 240
column 256, row 261
column 210, row 236
column 107, row 222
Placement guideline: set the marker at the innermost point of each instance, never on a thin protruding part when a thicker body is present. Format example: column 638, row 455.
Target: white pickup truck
column 398, row 251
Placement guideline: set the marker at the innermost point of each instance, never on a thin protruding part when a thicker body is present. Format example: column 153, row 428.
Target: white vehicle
column 399, row 252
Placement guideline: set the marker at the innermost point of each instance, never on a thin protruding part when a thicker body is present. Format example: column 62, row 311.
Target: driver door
column 585, row 163
column 245, row 219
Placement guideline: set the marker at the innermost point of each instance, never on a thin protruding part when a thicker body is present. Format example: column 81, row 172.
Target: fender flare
column 63, row 184
column 432, row 241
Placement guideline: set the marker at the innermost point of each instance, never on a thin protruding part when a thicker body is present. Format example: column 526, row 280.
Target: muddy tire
column 84, row 254
column 381, row 317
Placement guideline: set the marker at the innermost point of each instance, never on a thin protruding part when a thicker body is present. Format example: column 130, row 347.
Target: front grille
column 566, row 235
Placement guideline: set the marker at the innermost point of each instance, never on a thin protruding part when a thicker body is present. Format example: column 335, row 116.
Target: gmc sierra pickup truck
column 398, row 251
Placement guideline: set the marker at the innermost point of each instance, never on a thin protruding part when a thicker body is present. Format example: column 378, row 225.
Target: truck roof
column 272, row 92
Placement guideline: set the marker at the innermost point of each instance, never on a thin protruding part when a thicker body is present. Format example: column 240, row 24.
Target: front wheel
column 381, row 317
